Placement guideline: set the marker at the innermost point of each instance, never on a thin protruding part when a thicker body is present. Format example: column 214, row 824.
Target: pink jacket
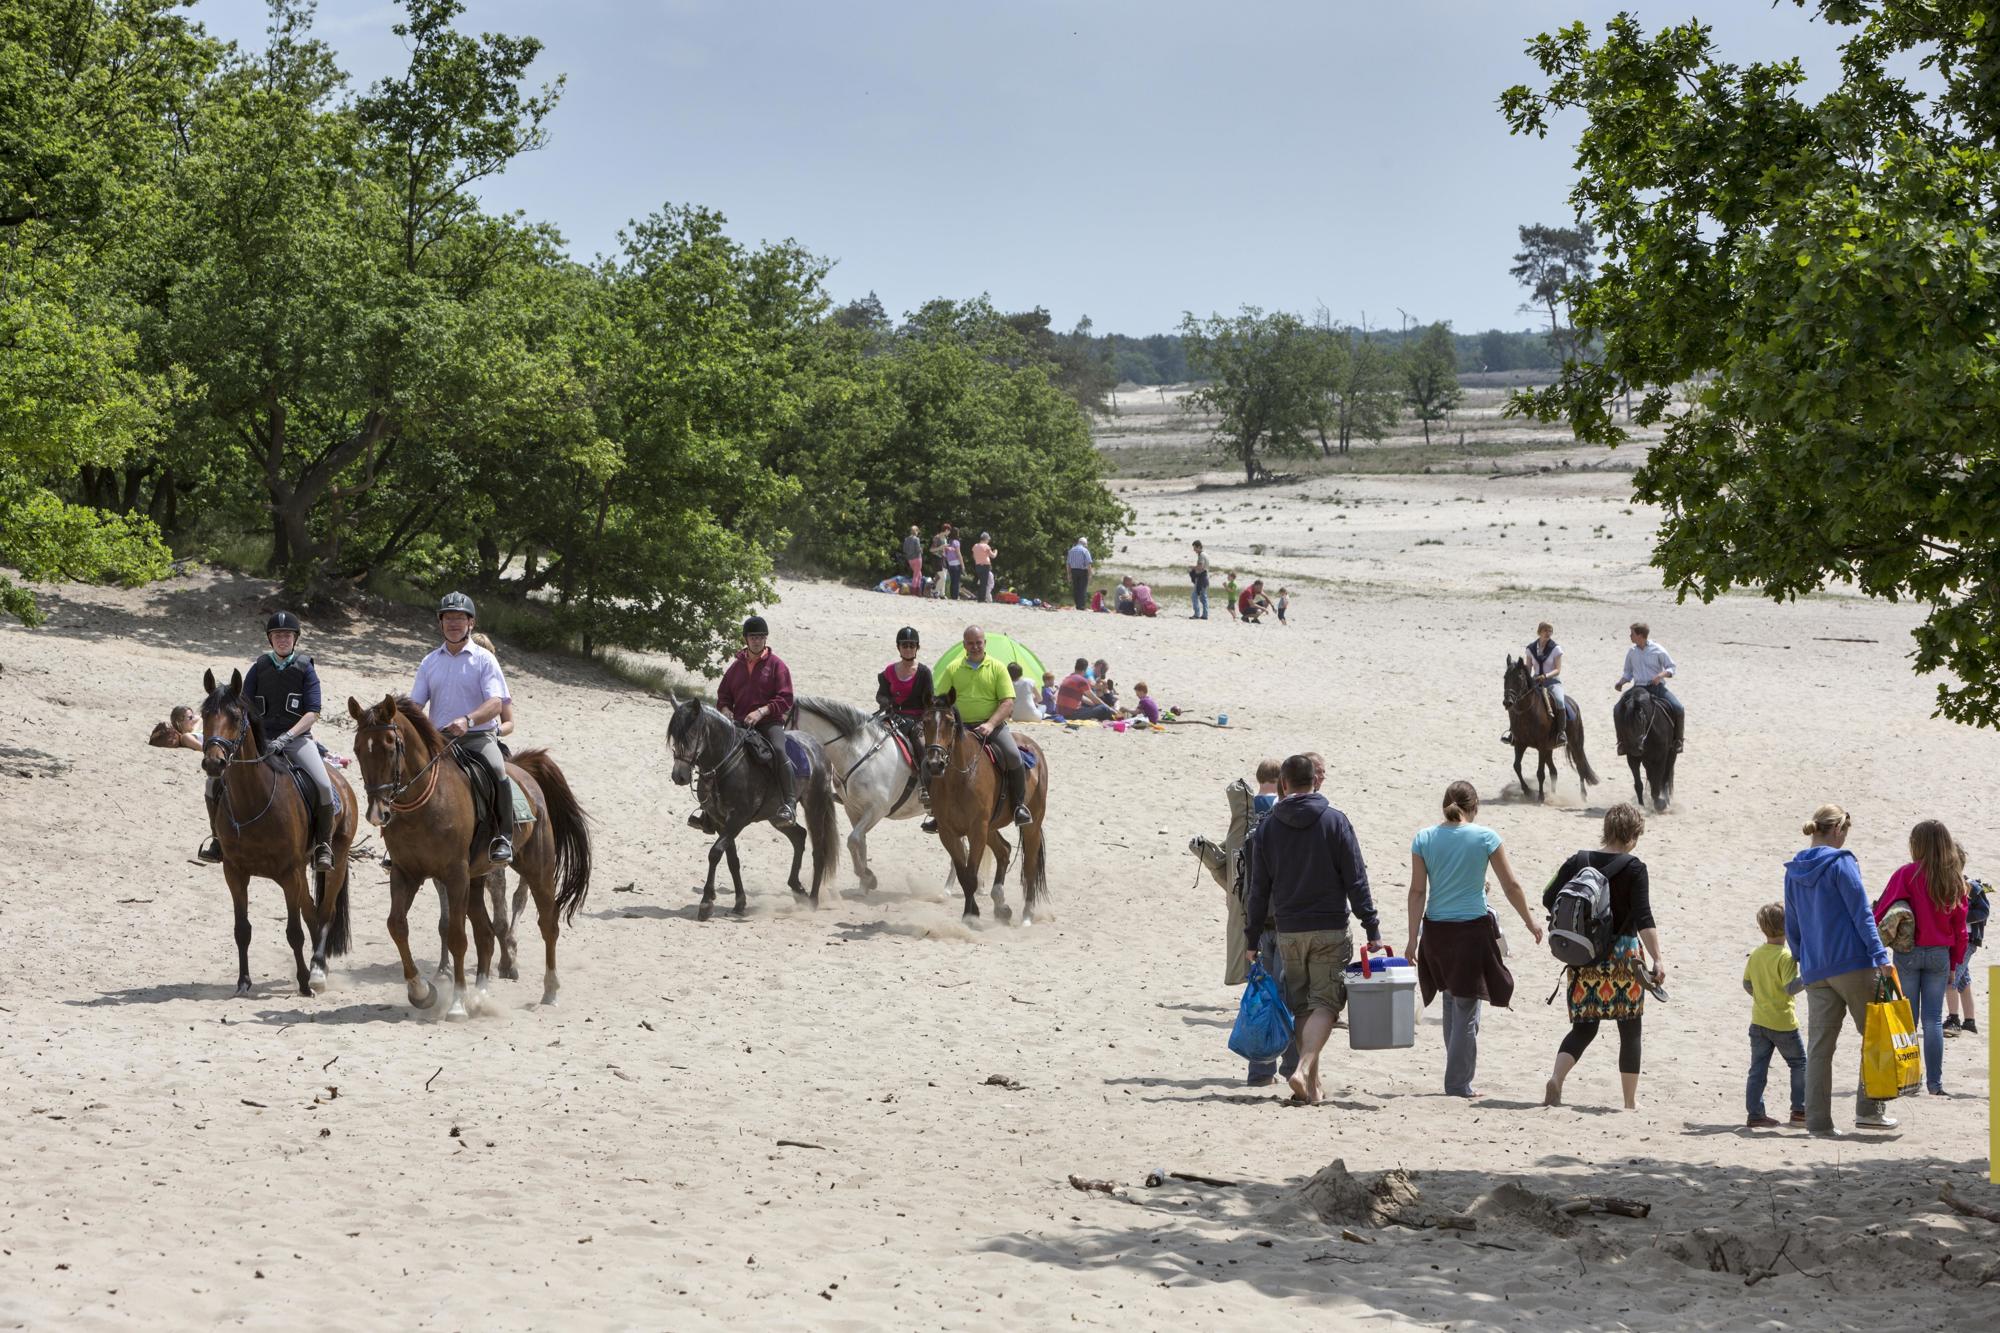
column 1935, row 929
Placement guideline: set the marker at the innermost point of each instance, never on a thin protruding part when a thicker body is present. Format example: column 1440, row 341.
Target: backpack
column 1580, row 920
column 1978, row 906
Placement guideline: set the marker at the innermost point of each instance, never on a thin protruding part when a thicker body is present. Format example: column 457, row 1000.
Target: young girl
column 1933, row 884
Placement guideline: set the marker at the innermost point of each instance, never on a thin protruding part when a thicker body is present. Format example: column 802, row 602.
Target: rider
column 282, row 691
column 461, row 684
column 902, row 693
column 1545, row 664
column 756, row 691
column 1649, row 666
column 985, row 702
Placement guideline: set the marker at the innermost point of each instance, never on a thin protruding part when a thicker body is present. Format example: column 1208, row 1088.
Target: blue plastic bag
column 1263, row 1021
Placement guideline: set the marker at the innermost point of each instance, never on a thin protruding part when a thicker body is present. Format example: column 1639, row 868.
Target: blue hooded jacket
column 1829, row 924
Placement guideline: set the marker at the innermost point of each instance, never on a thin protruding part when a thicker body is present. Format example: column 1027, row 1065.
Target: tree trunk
column 489, row 560
column 1427, row 429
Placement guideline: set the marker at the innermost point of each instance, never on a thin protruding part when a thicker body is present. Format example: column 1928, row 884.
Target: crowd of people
column 1303, row 886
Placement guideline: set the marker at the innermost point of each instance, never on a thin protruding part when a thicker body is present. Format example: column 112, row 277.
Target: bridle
column 397, row 785
column 229, row 745
column 943, row 752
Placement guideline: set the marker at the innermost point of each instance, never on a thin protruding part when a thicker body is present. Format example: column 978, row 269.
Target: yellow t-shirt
column 981, row 689
column 1771, row 968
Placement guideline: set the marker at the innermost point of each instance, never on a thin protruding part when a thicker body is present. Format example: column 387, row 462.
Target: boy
column 1049, row 695
column 1958, row 987
column 1771, row 979
column 1267, row 792
column 1229, row 593
column 1148, row 707
column 1284, row 603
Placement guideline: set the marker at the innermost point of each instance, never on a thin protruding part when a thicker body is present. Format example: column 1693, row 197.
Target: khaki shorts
column 1315, row 963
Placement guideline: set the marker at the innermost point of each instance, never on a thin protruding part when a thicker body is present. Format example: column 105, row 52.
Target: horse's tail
column 1577, row 759
column 1035, row 874
column 821, row 826
column 338, row 935
column 570, row 827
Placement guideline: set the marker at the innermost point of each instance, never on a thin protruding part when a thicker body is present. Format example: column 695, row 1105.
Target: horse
column 870, row 775
column 736, row 791
column 1645, row 728
column 422, row 801
column 967, row 798
column 1533, row 725
column 274, row 841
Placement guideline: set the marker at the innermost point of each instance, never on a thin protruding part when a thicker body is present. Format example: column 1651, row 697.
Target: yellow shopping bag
column 1892, row 1064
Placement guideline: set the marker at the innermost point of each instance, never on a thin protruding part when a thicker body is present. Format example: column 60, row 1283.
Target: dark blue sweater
column 1306, row 870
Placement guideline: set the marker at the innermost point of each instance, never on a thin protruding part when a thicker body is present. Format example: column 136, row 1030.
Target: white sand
column 615, row 1163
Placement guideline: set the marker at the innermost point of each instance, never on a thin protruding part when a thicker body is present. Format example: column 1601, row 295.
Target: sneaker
column 1882, row 1121
column 1266, row 1080
column 211, row 851
column 1936, row 1092
column 1798, row 1117
column 1968, row 1026
column 1761, row 1122
column 1951, row 1025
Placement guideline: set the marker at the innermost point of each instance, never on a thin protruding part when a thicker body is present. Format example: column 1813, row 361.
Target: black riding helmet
column 756, row 625
column 908, row 634
column 282, row 620
column 457, row 601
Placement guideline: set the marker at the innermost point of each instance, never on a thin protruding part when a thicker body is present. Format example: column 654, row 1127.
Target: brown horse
column 422, row 802
column 1531, row 722
column 966, row 798
column 265, row 829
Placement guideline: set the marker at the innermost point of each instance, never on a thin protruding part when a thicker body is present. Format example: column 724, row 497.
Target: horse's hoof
column 421, row 999
column 457, row 1011
column 1002, row 913
column 740, row 911
column 509, row 972
column 316, row 979
column 242, row 988
column 704, row 912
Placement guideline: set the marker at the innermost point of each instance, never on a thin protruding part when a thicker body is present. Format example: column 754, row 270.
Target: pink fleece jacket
column 1935, row 929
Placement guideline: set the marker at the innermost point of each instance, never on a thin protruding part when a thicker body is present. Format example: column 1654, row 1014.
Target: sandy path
column 615, row 1162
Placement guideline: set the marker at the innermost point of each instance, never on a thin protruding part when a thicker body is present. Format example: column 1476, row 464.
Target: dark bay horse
column 265, row 828
column 1646, row 738
column 1532, row 723
column 422, row 801
column 966, row 798
column 737, row 791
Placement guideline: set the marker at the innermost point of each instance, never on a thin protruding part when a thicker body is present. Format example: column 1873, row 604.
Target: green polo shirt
column 981, row 689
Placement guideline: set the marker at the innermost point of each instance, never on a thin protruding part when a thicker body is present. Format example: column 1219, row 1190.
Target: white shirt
column 1025, row 707
column 1554, row 660
column 453, row 684
column 1645, row 663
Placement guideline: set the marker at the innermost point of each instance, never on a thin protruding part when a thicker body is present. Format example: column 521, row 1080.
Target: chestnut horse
column 1531, row 722
column 422, row 801
column 266, row 832
column 967, row 800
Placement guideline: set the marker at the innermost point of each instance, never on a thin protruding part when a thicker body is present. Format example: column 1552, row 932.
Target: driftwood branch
column 1090, row 1186
column 1958, row 1205
column 1602, row 1203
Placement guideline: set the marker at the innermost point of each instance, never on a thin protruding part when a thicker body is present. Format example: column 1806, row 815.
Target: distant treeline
column 1161, row 358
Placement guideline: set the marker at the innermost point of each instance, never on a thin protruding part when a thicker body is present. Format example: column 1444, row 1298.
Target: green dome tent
column 1002, row 649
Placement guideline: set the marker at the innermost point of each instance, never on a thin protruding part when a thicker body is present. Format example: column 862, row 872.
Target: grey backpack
column 1580, row 921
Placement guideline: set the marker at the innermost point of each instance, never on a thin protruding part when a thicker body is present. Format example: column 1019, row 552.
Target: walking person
column 1306, row 872
column 1771, row 979
column 982, row 567
column 1262, row 1073
column 1933, row 884
column 1459, row 950
column 1960, row 1016
column 913, row 556
column 1079, row 562
column 1831, row 932
column 1198, row 572
column 1611, row 989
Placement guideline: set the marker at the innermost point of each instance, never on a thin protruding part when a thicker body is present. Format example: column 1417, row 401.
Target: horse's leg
column 332, row 884
column 503, row 924
column 1519, row 776
column 797, row 837
column 545, row 911
column 298, row 908
column 1545, row 768
column 402, row 890
column 239, row 897
column 458, row 888
column 1031, row 858
column 708, row 889
column 742, row 907
column 968, row 872
column 857, row 845
column 1003, row 856
column 482, row 940
column 444, row 933
column 1638, row 790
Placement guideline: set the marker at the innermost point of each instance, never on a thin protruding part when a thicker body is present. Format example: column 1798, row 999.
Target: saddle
column 759, row 750
column 1028, row 757
column 479, row 778
column 307, row 796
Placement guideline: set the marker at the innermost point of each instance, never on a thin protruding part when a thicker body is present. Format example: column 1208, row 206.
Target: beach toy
column 1119, row 725
column 1381, row 1002
column 1222, row 719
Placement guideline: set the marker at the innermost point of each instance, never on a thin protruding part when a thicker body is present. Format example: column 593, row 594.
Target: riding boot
column 322, row 836
column 502, row 849
column 929, row 824
column 1507, row 739
column 210, row 851
column 788, row 789
column 1017, row 791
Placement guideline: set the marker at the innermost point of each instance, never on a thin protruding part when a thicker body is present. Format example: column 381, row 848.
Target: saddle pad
column 1028, row 757
column 305, row 785
column 801, row 758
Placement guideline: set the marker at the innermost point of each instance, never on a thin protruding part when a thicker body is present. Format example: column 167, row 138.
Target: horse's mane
column 413, row 712
column 845, row 716
column 686, row 708
column 231, row 701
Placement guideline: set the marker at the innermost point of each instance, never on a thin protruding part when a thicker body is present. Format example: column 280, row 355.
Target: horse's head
column 940, row 727
column 225, row 722
column 684, row 739
column 1519, row 681
column 378, row 748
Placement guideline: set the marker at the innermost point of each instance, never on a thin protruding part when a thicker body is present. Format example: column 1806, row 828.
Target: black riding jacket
column 280, row 693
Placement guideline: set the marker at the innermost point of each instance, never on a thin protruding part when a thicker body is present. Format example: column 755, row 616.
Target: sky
column 1128, row 160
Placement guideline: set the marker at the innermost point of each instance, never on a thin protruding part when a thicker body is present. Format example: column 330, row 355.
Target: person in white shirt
column 460, row 684
column 1025, row 706
column 1545, row 664
column 1649, row 666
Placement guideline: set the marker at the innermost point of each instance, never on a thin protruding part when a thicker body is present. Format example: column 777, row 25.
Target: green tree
column 1259, row 372
column 1430, row 376
column 1355, row 388
column 1819, row 273
column 1553, row 263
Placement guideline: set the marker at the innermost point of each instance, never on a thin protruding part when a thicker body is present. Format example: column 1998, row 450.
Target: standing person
column 1832, row 934
column 985, row 702
column 982, row 567
column 1306, row 872
column 1771, row 979
column 1650, row 667
column 938, row 539
column 1229, row 594
column 913, row 555
column 282, row 689
column 1545, row 664
column 1198, row 572
column 1611, row 989
column 954, row 563
column 1461, row 952
column 1284, row 604
column 461, row 686
column 1933, row 884
column 1079, row 562
column 1958, row 995
column 756, row 692
column 1263, row 1073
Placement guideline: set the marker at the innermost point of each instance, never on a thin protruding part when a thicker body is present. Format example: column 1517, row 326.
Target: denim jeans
column 1922, row 974
column 1461, row 1044
column 1763, row 1041
column 1267, row 954
column 1201, row 598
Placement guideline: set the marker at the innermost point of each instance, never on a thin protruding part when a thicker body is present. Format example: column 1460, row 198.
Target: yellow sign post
column 1992, row 1078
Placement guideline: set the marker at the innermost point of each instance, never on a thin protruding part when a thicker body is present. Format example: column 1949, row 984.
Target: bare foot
column 1298, row 1089
column 1552, row 1093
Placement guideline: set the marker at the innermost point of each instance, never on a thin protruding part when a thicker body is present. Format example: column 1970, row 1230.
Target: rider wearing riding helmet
column 985, row 701
column 902, row 693
column 281, row 690
column 756, row 691
column 461, row 685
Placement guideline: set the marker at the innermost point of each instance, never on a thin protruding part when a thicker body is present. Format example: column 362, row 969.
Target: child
column 1267, row 792
column 1284, row 601
column 1148, row 707
column 1229, row 593
column 1771, row 978
column 1265, row 1073
column 1958, row 989
column 1049, row 694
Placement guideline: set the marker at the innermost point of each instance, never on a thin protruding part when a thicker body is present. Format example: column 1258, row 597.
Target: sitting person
column 1127, row 605
column 1101, row 682
column 1047, row 698
column 1025, row 707
column 1142, row 599
column 1097, row 600
column 1077, row 702
column 1148, row 707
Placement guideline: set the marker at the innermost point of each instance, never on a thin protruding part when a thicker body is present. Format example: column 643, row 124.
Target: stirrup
column 788, row 813
column 211, row 851
column 1023, row 816
column 501, row 851
column 698, row 821
column 929, row 825
column 322, row 856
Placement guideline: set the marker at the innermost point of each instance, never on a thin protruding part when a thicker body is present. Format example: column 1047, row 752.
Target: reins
column 229, row 745
column 396, row 787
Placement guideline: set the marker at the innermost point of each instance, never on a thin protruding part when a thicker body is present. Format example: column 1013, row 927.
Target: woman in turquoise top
column 1461, row 951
